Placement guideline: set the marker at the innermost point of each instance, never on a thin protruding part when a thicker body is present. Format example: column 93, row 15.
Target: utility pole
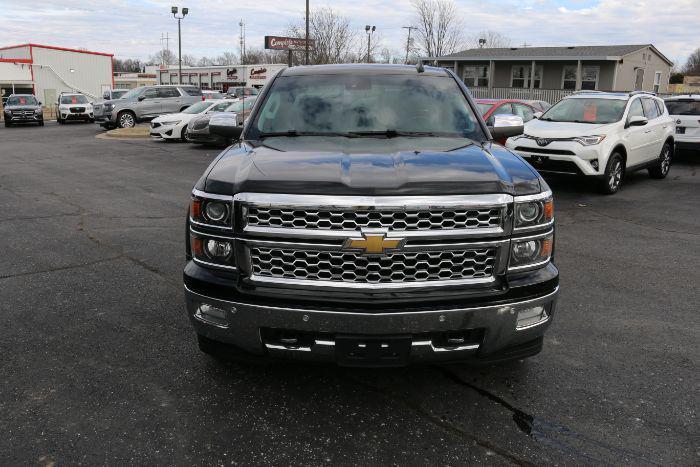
column 408, row 41
column 173, row 10
column 242, row 39
column 307, row 33
column 369, row 30
column 165, row 38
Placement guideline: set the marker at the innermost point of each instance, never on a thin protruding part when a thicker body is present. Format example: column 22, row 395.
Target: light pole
column 369, row 30
column 408, row 40
column 173, row 10
column 307, row 33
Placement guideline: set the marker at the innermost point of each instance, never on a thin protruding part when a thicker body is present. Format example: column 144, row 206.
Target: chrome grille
column 347, row 267
column 406, row 220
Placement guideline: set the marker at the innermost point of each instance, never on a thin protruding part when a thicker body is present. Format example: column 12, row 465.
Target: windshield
column 133, row 93
column 118, row 94
column 585, row 110
column 688, row 107
column 22, row 100
column 385, row 105
column 483, row 108
column 238, row 106
column 78, row 99
column 197, row 108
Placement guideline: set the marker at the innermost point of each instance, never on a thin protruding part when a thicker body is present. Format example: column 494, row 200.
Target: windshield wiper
column 391, row 133
column 295, row 133
column 548, row 119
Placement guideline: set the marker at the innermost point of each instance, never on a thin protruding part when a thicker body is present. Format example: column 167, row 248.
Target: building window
column 589, row 77
column 657, row 81
column 520, row 76
column 476, row 76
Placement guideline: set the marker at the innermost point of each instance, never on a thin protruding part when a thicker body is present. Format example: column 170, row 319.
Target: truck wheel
column 660, row 170
column 126, row 119
column 614, row 173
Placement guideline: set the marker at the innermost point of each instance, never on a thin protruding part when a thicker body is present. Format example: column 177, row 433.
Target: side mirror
column 537, row 114
column 226, row 125
column 637, row 121
column 506, row 125
column 142, row 97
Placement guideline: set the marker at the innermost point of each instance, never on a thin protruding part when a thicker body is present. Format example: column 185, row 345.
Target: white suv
column 601, row 135
column 685, row 111
column 74, row 106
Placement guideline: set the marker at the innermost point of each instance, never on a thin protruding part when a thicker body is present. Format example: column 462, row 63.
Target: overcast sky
column 131, row 28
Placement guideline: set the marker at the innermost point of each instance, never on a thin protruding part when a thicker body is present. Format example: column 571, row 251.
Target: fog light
column 594, row 164
column 531, row 316
column 211, row 314
column 525, row 251
column 218, row 250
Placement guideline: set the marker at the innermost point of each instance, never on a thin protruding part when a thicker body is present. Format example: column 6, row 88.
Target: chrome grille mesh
column 407, row 220
column 339, row 266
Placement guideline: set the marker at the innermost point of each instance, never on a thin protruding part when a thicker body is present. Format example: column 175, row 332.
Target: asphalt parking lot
column 100, row 365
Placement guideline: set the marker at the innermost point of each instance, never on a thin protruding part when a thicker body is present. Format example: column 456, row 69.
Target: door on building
column 639, row 79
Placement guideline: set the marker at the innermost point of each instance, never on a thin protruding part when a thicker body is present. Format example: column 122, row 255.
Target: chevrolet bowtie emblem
column 374, row 243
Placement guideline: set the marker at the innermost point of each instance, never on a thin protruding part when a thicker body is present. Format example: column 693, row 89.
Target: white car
column 685, row 111
column 601, row 135
column 174, row 126
column 74, row 106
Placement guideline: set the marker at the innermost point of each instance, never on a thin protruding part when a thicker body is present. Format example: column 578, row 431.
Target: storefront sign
column 287, row 43
column 258, row 73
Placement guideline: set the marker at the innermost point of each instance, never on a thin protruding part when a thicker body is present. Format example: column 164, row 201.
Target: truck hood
column 544, row 129
column 370, row 167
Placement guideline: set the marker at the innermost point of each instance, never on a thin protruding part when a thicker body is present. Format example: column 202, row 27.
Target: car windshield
column 684, row 107
column 586, row 110
column 133, row 93
column 483, row 108
column 238, row 106
column 366, row 105
column 22, row 100
column 76, row 99
column 197, row 108
column 118, row 94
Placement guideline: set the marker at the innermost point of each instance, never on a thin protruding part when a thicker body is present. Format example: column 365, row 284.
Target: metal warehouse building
column 46, row 71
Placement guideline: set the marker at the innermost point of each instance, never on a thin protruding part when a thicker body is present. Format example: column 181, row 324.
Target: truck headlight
column 531, row 252
column 213, row 251
column 211, row 210
column 534, row 211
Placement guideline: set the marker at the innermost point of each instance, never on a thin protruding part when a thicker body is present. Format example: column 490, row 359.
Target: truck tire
column 614, row 174
column 660, row 170
column 126, row 119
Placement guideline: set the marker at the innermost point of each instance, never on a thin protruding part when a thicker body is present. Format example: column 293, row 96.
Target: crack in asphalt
column 62, row 268
column 445, row 425
column 539, row 429
column 627, row 221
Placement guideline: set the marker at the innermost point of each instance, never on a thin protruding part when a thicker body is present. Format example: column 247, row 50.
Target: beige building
column 134, row 80
column 567, row 69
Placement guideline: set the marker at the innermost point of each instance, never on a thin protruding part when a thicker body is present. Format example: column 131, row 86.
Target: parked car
column 198, row 127
column 145, row 103
column 209, row 94
column 238, row 92
column 540, row 106
column 23, row 108
column 74, row 106
column 602, row 135
column 685, row 111
column 174, row 126
column 365, row 217
column 112, row 94
column 491, row 107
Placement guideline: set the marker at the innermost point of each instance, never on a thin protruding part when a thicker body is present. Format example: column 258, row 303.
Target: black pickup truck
column 365, row 216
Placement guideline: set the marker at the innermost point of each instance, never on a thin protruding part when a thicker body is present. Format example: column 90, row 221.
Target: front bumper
column 77, row 115
column 565, row 157
column 245, row 327
column 24, row 118
column 165, row 132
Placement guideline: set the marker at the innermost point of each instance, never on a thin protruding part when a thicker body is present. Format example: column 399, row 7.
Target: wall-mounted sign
column 287, row 43
column 231, row 73
column 258, row 73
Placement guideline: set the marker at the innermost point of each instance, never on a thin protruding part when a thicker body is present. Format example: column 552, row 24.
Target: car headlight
column 171, row 122
column 216, row 251
column 38, row 111
column 589, row 140
column 533, row 211
column 109, row 106
column 211, row 210
column 531, row 252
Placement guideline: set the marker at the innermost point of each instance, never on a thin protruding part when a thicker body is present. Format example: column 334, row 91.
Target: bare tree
column 692, row 65
column 206, row 61
column 493, row 40
column 262, row 56
column 336, row 40
column 189, row 60
column 227, row 58
column 438, row 27
column 129, row 65
column 163, row 57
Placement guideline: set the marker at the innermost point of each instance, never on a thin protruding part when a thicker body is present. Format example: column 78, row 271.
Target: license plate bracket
column 372, row 351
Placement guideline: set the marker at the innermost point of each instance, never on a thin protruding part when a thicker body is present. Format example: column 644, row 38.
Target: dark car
column 23, row 108
column 365, row 217
column 238, row 92
column 198, row 128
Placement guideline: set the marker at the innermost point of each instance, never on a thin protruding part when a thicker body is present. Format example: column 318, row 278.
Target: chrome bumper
column 242, row 325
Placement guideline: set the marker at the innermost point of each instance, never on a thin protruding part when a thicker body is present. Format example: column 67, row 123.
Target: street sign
column 287, row 43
